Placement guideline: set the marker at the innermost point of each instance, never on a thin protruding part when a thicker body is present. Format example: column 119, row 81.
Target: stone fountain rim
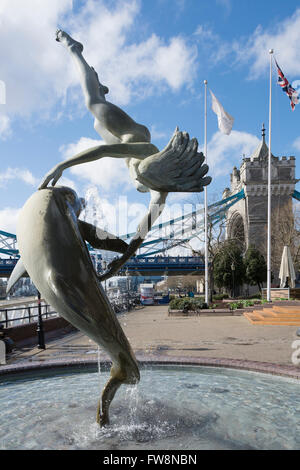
column 147, row 360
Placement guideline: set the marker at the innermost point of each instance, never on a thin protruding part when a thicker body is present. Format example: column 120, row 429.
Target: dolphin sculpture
column 55, row 256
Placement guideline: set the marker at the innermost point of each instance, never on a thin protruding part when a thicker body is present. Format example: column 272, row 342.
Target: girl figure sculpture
column 177, row 168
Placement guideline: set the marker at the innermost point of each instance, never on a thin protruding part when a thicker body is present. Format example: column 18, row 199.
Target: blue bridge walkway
column 6, row 266
column 147, row 266
column 164, row 265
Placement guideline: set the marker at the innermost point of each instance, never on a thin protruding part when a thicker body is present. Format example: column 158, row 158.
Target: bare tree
column 215, row 241
column 285, row 231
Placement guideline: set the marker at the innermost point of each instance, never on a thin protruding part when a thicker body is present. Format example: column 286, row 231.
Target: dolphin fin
column 18, row 272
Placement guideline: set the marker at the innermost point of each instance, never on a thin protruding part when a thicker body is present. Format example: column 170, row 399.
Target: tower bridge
column 247, row 219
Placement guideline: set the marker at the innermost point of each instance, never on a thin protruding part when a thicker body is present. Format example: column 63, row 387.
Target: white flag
column 225, row 121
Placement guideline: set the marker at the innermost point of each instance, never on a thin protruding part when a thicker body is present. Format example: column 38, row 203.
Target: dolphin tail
column 119, row 374
column 104, row 402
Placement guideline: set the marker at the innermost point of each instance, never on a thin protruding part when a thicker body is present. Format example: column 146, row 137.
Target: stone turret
column 248, row 217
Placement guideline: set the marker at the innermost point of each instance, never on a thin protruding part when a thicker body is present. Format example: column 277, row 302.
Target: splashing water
column 93, row 212
column 171, row 408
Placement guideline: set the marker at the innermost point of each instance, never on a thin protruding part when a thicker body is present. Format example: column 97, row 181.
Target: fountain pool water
column 172, row 408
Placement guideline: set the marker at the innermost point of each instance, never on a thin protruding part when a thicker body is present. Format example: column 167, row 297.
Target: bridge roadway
column 142, row 266
column 6, row 266
column 164, row 265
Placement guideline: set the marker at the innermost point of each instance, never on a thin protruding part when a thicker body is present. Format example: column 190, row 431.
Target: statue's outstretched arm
column 156, row 207
column 134, row 150
column 101, row 239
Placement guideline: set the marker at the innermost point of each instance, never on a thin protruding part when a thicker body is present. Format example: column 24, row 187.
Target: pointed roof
column 262, row 151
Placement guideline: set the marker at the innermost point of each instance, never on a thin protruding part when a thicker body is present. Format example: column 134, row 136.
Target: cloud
column 296, row 143
column 213, row 46
column 17, row 173
column 108, row 173
column 63, row 181
column 8, row 219
column 144, row 69
column 158, row 135
column 39, row 72
column 226, row 4
column 31, row 74
column 225, row 151
column 283, row 37
column 5, row 129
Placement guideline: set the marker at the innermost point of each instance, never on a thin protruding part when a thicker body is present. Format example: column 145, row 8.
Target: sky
column 154, row 56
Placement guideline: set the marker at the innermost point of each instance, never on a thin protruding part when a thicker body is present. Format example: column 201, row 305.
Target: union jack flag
column 287, row 88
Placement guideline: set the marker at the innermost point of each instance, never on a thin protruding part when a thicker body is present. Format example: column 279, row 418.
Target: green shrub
column 248, row 303
column 236, row 305
column 220, row 296
column 201, row 305
column 175, row 304
column 187, row 304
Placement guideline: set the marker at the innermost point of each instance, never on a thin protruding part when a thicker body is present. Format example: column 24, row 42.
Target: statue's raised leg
column 88, row 77
column 112, row 123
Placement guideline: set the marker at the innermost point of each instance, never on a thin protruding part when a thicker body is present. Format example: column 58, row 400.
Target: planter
column 206, row 313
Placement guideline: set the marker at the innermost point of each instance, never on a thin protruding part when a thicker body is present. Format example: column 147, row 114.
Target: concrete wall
column 21, row 333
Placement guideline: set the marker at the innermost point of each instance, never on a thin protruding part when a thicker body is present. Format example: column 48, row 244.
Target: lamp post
column 271, row 52
column 127, row 286
column 40, row 328
column 104, row 266
column 232, row 269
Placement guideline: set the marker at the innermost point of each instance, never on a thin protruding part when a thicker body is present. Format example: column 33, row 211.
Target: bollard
column 2, row 353
column 40, row 328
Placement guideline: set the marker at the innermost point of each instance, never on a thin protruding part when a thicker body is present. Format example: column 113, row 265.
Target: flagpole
column 271, row 51
column 205, row 195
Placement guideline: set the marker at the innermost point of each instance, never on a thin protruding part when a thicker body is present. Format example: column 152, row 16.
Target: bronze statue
column 51, row 238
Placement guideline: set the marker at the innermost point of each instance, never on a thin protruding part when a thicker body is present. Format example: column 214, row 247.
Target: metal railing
column 9, row 321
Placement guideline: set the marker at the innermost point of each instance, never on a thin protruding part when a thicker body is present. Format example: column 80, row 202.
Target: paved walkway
column 151, row 330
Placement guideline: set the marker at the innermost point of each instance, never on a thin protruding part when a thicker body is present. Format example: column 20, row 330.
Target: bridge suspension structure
column 163, row 236
column 177, row 231
column 8, row 242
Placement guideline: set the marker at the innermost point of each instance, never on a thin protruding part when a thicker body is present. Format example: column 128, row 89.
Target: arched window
column 237, row 230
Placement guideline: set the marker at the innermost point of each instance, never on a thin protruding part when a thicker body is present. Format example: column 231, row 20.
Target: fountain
column 172, row 408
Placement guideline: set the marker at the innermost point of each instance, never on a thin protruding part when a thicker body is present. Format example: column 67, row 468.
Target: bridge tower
column 247, row 219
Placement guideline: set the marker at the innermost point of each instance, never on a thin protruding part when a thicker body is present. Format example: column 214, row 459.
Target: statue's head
column 68, row 195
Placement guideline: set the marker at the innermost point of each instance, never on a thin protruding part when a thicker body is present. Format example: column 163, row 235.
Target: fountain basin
column 174, row 407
